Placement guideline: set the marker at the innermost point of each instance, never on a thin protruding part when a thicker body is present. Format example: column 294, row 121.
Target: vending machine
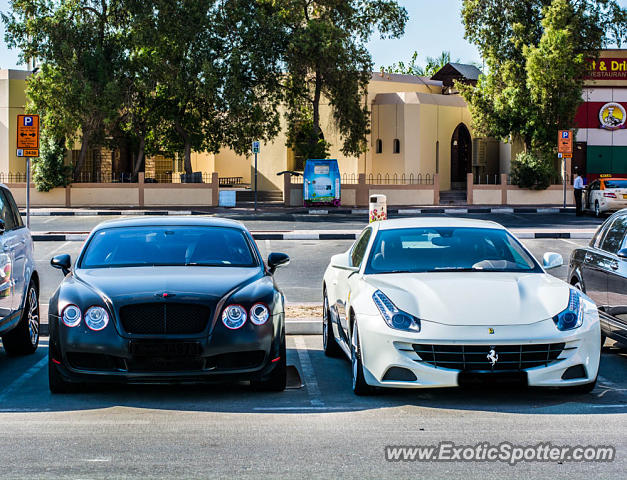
column 321, row 183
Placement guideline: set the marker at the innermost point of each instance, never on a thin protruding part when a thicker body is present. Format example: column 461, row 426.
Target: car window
column 16, row 212
column 613, row 239
column 168, row 246
column 595, row 185
column 6, row 214
column 440, row 249
column 359, row 250
column 616, row 184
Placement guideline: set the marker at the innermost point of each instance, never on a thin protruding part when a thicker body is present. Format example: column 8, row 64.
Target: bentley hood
column 475, row 298
column 144, row 284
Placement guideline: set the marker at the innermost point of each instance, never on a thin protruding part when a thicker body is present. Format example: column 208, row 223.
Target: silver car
column 19, row 281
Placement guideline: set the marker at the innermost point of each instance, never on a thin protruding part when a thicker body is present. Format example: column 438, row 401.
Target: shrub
column 532, row 170
column 49, row 170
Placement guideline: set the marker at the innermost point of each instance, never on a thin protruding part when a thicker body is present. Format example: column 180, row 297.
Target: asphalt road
column 301, row 280
column 320, row 430
column 288, row 222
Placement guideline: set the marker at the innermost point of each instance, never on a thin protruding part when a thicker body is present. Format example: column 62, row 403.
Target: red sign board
column 607, row 69
column 565, row 141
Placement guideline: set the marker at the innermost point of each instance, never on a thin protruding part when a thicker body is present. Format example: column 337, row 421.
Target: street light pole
column 255, row 181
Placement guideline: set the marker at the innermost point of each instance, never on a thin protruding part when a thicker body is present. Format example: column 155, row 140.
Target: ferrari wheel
column 331, row 348
column 360, row 387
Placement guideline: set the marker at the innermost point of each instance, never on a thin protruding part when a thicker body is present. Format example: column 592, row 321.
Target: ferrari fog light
column 394, row 317
column 259, row 314
column 71, row 316
column 234, row 317
column 96, row 318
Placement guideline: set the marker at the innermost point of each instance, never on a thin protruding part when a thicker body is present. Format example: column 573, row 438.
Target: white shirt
column 578, row 183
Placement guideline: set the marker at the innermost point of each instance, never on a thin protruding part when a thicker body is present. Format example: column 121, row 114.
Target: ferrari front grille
column 164, row 318
column 489, row 357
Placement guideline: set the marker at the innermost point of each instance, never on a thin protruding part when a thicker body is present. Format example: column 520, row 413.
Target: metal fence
column 98, row 177
column 231, row 181
column 486, row 179
column 18, row 177
column 402, row 179
column 555, row 180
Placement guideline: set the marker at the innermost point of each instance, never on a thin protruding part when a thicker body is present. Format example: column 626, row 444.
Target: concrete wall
column 178, row 195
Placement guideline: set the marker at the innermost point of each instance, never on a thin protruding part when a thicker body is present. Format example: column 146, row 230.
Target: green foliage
column 532, row 170
column 306, row 141
column 49, row 170
column 325, row 56
column 534, row 51
column 433, row 65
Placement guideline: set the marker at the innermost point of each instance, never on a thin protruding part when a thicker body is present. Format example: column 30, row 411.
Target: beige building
column 12, row 101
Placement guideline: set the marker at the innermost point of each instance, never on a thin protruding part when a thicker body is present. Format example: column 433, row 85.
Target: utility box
column 227, row 198
column 321, row 183
column 378, row 208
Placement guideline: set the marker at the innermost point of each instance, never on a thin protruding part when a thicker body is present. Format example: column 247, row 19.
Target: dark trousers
column 578, row 206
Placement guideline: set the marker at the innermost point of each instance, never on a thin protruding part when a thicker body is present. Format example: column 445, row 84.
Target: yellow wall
column 12, row 102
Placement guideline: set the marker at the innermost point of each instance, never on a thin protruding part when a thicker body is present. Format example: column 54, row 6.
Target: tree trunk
column 82, row 155
column 315, row 137
column 187, row 164
column 140, row 156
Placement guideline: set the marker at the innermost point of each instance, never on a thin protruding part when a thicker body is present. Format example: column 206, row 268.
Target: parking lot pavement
column 318, row 431
column 301, row 280
column 329, row 222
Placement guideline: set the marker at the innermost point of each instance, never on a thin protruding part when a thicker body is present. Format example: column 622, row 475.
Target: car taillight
column 609, row 195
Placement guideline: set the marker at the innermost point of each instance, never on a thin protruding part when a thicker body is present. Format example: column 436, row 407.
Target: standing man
column 578, row 186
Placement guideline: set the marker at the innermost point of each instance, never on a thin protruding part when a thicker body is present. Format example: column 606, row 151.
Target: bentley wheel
column 331, row 348
column 360, row 387
column 276, row 381
column 24, row 339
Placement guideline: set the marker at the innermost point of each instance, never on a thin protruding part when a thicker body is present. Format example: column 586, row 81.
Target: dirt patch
column 303, row 311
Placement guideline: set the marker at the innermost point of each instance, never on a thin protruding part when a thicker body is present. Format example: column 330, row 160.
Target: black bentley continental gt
column 168, row 300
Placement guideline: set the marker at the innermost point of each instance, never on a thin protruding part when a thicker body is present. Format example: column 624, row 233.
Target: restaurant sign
column 607, row 69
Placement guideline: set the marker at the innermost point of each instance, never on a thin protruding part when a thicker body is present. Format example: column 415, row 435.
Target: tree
column 326, row 56
column 433, row 65
column 49, row 170
column 77, row 89
column 534, row 51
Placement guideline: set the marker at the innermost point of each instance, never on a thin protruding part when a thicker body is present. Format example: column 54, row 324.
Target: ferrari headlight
column 234, row 317
column 259, row 314
column 71, row 316
column 394, row 317
column 96, row 318
column 572, row 317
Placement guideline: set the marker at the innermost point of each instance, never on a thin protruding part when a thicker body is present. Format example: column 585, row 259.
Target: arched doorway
column 461, row 157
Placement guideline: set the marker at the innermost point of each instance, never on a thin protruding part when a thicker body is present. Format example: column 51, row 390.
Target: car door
column 593, row 270
column 617, row 279
column 343, row 290
column 8, row 305
column 593, row 194
column 22, row 251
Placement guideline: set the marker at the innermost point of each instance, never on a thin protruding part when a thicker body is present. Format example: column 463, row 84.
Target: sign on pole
column 256, row 146
column 564, row 151
column 27, row 136
column 27, row 145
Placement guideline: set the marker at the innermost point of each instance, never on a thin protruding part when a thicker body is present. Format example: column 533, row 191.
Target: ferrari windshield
column 168, row 246
column 448, row 250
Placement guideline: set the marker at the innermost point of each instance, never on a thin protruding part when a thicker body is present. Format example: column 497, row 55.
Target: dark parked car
column 168, row 300
column 600, row 270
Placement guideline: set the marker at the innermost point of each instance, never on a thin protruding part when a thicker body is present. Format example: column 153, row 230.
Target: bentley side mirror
column 62, row 262
column 2, row 227
column 276, row 260
column 622, row 253
column 552, row 260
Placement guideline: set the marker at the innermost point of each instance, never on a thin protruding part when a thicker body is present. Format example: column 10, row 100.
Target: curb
column 313, row 211
column 292, row 327
column 313, row 235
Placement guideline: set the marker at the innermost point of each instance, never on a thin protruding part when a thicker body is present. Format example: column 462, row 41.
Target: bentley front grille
column 164, row 318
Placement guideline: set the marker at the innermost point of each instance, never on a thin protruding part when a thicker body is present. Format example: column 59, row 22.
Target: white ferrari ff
column 442, row 302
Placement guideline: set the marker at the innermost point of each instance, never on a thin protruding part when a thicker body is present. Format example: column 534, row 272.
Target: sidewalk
column 523, row 233
column 265, row 211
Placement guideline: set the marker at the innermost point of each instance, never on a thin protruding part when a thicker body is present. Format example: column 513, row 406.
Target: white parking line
column 59, row 248
column 309, row 376
column 26, row 376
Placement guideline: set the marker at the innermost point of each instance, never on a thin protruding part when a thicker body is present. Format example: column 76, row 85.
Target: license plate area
column 165, row 349
column 479, row 379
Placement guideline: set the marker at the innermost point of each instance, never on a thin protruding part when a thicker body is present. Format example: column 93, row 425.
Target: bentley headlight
column 259, row 314
column 394, row 317
column 572, row 317
column 71, row 316
column 234, row 317
column 96, row 318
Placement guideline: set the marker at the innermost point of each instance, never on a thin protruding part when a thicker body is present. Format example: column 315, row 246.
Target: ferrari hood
column 135, row 284
column 475, row 298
